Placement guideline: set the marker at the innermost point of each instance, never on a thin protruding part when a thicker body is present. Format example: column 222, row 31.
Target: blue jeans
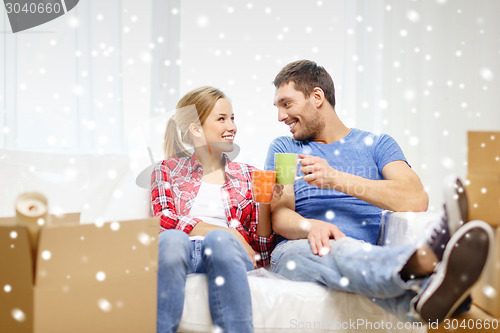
column 223, row 258
column 352, row 266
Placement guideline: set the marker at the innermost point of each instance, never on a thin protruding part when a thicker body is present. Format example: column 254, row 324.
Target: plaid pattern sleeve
column 244, row 211
column 164, row 202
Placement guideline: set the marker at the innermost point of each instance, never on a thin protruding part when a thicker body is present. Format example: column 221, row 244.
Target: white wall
column 240, row 47
column 425, row 72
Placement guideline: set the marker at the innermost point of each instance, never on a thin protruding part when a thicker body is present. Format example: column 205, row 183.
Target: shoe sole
column 468, row 251
column 456, row 203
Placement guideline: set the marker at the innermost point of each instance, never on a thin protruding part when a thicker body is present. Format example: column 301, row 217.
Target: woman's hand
column 277, row 193
column 248, row 248
column 250, row 252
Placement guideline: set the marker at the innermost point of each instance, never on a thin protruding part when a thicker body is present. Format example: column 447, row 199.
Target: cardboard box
column 483, row 185
column 486, row 293
column 88, row 278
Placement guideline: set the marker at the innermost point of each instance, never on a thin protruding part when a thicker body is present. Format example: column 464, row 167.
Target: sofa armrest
column 401, row 228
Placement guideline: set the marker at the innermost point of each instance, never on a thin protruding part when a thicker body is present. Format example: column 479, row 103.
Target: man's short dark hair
column 307, row 75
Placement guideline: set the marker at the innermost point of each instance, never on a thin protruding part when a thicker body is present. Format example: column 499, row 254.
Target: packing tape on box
column 32, row 212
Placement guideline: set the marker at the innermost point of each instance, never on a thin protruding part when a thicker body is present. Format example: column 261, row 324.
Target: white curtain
column 82, row 82
column 60, row 87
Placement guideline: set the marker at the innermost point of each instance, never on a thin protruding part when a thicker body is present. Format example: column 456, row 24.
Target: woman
column 208, row 218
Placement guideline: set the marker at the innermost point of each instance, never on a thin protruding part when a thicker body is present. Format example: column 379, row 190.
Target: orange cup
column 262, row 185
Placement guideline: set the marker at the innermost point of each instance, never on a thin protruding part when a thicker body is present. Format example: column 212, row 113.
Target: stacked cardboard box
column 483, row 190
column 88, row 278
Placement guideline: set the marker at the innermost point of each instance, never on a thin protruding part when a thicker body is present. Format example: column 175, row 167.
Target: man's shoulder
column 287, row 142
column 369, row 138
column 284, row 139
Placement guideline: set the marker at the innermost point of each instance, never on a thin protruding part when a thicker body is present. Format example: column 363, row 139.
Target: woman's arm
column 162, row 202
column 258, row 228
column 264, row 225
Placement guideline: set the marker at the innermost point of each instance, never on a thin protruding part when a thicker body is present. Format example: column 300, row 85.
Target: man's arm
column 400, row 190
column 291, row 225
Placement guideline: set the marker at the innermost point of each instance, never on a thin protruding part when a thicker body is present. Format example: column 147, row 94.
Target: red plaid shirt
column 175, row 183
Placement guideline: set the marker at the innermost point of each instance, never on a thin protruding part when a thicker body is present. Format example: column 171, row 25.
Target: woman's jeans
column 223, row 258
column 352, row 266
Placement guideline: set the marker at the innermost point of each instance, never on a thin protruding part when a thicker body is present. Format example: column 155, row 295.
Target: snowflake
column 104, row 305
column 486, row 74
column 413, row 15
column 100, row 276
column 18, row 315
column 330, row 215
column 202, row 21
column 447, row 162
column 324, row 251
column 112, row 174
column 46, row 255
column 217, row 329
column 291, row 265
column 489, row 291
column 305, row 224
column 219, row 281
column 383, row 104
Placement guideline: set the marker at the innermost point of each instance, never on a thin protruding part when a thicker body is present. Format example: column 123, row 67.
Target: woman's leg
column 174, row 263
column 227, row 262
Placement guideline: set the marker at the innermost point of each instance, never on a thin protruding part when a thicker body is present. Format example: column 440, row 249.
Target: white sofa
column 103, row 188
column 281, row 305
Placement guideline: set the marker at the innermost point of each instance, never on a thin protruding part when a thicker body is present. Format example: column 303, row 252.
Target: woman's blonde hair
column 193, row 107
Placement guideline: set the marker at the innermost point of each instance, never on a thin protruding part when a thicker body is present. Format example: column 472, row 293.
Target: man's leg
column 446, row 291
column 464, row 258
column 420, row 264
column 375, row 271
column 351, row 265
column 227, row 263
column 173, row 266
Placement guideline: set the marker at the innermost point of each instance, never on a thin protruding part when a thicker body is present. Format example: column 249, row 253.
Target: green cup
column 286, row 166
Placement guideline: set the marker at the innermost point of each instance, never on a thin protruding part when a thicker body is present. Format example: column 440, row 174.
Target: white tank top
column 208, row 206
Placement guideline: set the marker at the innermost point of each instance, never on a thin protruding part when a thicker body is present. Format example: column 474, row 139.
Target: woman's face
column 219, row 128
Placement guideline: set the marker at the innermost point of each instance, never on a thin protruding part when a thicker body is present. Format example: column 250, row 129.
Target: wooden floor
column 476, row 321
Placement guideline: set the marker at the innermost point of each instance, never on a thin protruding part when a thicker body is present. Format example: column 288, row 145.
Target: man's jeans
column 223, row 258
column 352, row 266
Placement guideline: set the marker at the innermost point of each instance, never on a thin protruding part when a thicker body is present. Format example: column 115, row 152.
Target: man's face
column 298, row 112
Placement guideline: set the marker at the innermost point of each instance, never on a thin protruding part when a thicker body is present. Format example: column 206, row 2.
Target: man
column 330, row 219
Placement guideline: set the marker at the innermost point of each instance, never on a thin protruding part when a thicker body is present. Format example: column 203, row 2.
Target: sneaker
column 456, row 203
column 439, row 237
column 455, row 215
column 464, row 258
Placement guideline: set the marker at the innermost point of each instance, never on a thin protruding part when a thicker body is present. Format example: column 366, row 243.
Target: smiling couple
column 211, row 225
